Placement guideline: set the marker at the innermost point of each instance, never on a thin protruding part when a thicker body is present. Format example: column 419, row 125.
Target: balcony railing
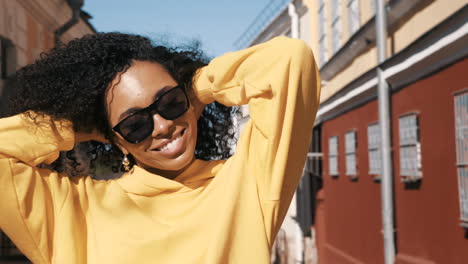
column 266, row 16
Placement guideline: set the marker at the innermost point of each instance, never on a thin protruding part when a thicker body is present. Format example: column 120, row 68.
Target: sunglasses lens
column 173, row 104
column 139, row 126
column 136, row 127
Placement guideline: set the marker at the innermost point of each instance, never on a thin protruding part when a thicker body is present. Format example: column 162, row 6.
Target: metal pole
column 385, row 133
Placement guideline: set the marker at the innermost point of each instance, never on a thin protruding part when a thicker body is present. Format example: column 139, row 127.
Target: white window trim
column 336, row 25
column 322, row 24
column 374, row 151
column 461, row 132
column 354, row 16
column 351, row 153
column 373, row 7
column 409, row 142
column 333, row 155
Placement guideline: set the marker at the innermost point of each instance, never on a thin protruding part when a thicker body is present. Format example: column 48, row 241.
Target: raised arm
column 30, row 196
column 280, row 83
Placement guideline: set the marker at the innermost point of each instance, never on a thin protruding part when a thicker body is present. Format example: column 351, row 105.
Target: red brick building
column 429, row 134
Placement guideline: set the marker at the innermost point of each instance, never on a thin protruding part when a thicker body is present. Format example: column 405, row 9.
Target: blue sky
column 217, row 23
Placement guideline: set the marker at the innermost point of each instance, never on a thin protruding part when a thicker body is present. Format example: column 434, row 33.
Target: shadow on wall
column 7, row 70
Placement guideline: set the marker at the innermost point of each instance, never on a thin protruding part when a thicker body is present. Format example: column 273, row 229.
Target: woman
column 169, row 206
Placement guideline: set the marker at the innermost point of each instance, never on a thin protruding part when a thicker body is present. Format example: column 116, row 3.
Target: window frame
column 354, row 16
column 322, row 24
column 333, row 155
column 351, row 154
column 373, row 7
column 409, row 146
column 373, row 150
column 336, row 26
column 2, row 59
column 461, row 149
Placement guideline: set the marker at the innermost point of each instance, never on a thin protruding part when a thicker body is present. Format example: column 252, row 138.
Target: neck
column 168, row 174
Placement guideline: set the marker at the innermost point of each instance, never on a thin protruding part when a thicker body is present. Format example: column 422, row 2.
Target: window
column 461, row 136
column 322, row 32
column 353, row 16
column 2, row 59
column 7, row 58
column 350, row 143
column 333, row 156
column 336, row 25
column 410, row 148
column 373, row 6
column 375, row 159
column 7, row 69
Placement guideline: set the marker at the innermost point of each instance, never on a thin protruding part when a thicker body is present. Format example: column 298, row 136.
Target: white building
column 285, row 18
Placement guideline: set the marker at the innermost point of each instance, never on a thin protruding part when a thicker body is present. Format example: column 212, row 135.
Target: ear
column 121, row 147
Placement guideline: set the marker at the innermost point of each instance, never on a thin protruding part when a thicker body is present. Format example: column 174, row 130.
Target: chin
column 175, row 159
column 169, row 168
column 176, row 164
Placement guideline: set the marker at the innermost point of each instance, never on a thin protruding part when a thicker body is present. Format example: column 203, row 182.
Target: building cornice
column 442, row 46
column 279, row 24
column 365, row 37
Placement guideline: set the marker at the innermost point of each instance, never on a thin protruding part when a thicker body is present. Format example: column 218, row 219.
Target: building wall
column 426, row 216
column 351, row 207
column 30, row 25
column 365, row 10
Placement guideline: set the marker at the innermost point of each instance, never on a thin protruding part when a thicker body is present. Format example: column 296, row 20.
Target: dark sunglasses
column 139, row 125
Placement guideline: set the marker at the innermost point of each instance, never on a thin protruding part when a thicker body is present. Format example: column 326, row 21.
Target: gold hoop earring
column 125, row 163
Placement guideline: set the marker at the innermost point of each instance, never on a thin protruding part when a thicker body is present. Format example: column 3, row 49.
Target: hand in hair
column 91, row 136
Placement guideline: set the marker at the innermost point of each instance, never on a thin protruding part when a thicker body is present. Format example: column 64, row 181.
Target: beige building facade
column 349, row 25
column 27, row 28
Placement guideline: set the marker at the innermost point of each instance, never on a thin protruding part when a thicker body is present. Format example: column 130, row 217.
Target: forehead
column 136, row 88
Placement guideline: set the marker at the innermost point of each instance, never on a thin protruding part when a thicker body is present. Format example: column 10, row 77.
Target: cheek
column 135, row 150
column 190, row 121
column 140, row 153
column 193, row 122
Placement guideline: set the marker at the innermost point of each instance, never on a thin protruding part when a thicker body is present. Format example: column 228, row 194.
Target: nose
column 162, row 126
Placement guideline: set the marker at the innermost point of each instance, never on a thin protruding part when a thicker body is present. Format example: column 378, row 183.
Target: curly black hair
column 70, row 82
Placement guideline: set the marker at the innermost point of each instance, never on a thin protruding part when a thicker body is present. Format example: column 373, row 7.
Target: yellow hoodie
column 215, row 212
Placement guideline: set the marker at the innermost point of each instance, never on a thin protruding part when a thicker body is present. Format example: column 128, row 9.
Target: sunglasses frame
column 150, row 110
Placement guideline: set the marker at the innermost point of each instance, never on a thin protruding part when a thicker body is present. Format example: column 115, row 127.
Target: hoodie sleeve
column 31, row 196
column 280, row 83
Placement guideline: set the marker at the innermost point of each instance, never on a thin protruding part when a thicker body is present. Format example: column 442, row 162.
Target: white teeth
column 170, row 144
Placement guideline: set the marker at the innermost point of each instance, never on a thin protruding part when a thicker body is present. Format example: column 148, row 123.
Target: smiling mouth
column 173, row 143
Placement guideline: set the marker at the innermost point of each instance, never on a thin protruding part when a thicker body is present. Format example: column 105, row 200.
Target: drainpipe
column 299, row 237
column 385, row 134
column 76, row 10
